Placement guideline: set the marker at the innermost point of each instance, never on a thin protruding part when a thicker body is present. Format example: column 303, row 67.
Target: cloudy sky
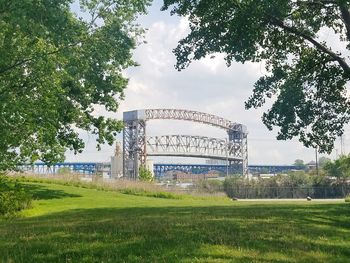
column 207, row 86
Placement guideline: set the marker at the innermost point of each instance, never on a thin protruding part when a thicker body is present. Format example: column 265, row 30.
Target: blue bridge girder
column 159, row 169
column 273, row 168
column 81, row 167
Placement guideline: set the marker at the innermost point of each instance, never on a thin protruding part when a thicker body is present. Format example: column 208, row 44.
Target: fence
column 247, row 192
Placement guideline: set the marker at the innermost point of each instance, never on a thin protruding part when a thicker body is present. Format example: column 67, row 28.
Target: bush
column 209, row 186
column 291, row 185
column 347, row 199
column 13, row 196
column 145, row 174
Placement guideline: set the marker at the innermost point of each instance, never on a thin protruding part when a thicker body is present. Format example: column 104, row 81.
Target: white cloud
column 207, row 85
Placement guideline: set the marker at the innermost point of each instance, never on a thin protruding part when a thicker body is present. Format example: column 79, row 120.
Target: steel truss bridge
column 191, row 146
column 160, row 170
column 137, row 146
column 43, row 168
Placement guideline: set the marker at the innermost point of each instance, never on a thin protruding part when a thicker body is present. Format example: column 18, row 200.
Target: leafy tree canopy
column 322, row 161
column 55, row 68
column 306, row 77
column 340, row 168
column 299, row 162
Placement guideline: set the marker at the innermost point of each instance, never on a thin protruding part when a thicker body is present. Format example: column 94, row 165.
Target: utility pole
column 316, row 152
column 342, row 148
column 226, row 157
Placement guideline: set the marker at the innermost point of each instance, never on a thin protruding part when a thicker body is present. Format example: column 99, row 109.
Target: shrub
column 347, row 199
column 291, row 185
column 13, row 196
column 209, row 186
column 145, row 174
column 233, row 186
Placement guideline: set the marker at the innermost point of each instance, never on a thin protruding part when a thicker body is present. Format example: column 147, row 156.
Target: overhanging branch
column 346, row 19
column 341, row 61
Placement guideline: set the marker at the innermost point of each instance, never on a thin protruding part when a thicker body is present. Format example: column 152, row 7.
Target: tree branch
column 341, row 61
column 346, row 19
column 98, row 15
column 26, row 60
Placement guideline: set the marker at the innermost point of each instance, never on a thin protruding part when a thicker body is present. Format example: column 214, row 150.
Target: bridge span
column 159, row 169
column 192, row 146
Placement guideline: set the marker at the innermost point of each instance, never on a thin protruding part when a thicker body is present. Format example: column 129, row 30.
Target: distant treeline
column 292, row 185
column 332, row 181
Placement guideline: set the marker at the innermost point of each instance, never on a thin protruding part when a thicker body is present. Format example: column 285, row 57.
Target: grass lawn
column 71, row 224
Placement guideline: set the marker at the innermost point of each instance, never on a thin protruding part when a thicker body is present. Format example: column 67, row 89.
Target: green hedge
column 13, row 196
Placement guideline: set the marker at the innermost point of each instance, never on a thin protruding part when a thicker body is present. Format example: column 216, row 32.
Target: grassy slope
column 69, row 224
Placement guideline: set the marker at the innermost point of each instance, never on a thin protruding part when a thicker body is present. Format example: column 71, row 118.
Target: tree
column 340, row 169
column 299, row 162
column 58, row 71
column 145, row 174
column 296, row 179
column 306, row 77
column 322, row 161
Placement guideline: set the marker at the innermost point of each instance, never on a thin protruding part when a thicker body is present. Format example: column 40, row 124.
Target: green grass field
column 71, row 224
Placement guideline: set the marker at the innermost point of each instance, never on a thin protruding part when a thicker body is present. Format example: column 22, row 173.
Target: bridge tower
column 134, row 142
column 238, row 143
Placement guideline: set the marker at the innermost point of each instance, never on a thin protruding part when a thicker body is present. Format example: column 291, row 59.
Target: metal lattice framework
column 136, row 144
column 134, row 147
column 160, row 170
column 192, row 146
column 43, row 168
column 188, row 115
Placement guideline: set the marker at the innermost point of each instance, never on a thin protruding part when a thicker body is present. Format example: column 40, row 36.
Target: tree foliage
column 296, row 184
column 322, row 161
column 13, row 196
column 58, row 70
column 307, row 75
column 340, row 168
column 299, row 162
column 145, row 174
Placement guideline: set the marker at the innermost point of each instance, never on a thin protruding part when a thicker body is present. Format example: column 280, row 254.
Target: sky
column 207, row 85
